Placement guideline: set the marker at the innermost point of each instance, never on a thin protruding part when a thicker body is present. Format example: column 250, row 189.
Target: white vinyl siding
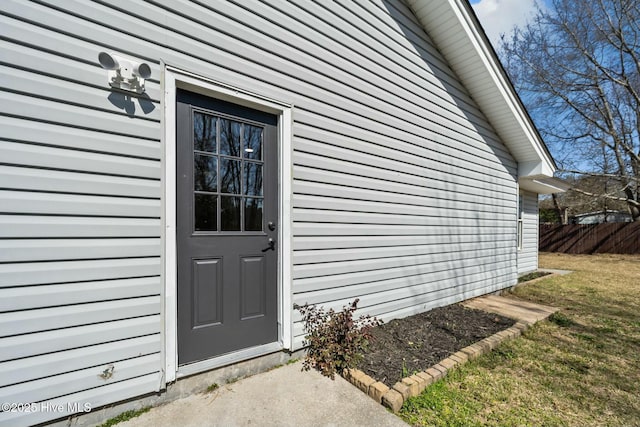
column 403, row 195
column 528, row 254
column 80, row 224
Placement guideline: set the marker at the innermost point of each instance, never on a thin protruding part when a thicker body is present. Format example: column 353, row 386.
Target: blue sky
column 499, row 16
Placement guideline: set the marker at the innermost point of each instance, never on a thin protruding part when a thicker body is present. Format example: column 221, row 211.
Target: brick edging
column 394, row 397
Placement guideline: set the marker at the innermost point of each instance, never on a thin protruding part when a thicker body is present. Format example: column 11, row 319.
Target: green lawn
column 581, row 368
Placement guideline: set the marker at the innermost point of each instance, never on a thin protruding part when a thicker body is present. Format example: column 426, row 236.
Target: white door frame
column 172, row 79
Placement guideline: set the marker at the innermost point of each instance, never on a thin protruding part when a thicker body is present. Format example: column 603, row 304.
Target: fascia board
column 543, row 184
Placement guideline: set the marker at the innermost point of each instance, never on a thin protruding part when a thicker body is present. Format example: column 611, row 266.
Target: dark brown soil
column 403, row 347
column 532, row 276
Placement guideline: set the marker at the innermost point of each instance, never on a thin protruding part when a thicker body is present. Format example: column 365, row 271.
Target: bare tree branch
column 577, row 69
column 608, row 196
column 608, row 175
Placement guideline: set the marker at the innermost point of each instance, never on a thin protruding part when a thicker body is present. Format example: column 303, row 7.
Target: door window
column 228, row 174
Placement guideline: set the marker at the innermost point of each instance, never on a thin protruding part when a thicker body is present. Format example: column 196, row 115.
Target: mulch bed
column 415, row 343
column 532, row 276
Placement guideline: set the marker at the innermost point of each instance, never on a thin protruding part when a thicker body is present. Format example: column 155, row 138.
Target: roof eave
column 543, row 184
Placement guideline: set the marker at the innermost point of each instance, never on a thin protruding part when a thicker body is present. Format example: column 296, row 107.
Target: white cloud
column 500, row 16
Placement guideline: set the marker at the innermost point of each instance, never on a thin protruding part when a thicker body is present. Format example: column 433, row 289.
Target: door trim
column 173, row 78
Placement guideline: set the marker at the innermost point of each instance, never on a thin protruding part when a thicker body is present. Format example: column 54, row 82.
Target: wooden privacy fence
column 610, row 238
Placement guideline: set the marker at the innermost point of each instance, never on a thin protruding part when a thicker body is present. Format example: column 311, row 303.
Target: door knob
column 271, row 247
column 271, row 226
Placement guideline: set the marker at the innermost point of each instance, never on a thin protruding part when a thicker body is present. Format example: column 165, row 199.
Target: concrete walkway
column 282, row 397
column 524, row 311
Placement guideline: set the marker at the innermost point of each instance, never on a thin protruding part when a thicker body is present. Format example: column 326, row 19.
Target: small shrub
column 213, row 387
column 405, row 372
column 335, row 340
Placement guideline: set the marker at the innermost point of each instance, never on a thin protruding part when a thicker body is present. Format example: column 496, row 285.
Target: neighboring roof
column 601, row 216
column 458, row 35
column 608, row 212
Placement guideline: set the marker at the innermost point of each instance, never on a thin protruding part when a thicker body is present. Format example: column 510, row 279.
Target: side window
column 520, row 212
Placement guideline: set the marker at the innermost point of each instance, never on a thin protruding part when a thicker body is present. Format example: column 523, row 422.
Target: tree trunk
column 559, row 211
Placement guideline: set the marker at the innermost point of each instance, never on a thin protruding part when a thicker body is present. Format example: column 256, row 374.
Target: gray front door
column 227, row 219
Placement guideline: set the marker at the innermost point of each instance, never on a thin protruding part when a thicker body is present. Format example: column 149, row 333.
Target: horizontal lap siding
column 79, row 222
column 528, row 255
column 405, row 218
column 401, row 187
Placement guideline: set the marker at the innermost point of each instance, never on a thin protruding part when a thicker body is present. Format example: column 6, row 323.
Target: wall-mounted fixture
column 125, row 74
